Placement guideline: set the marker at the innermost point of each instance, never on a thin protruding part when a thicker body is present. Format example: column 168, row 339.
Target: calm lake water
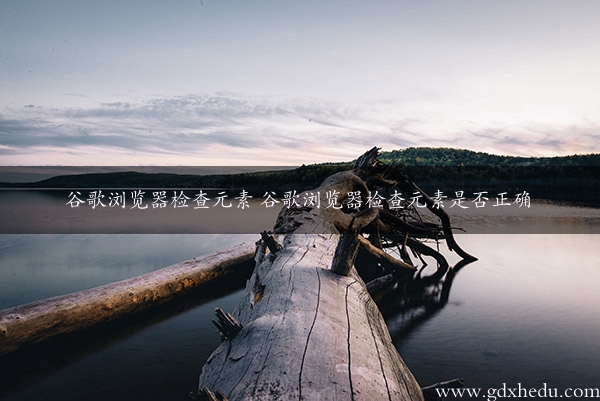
column 526, row 312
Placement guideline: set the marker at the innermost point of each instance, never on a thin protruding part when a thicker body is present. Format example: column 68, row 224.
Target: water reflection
column 26, row 367
column 47, row 212
column 525, row 312
column 408, row 306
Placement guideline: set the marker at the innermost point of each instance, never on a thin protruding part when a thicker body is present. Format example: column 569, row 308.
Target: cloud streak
column 231, row 129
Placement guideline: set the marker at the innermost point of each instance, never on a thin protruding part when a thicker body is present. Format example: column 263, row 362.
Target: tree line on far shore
column 574, row 177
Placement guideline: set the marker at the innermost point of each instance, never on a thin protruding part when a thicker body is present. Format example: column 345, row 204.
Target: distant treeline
column 299, row 178
column 461, row 157
column 568, row 178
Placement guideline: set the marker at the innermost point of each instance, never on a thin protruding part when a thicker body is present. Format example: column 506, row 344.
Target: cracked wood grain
column 314, row 336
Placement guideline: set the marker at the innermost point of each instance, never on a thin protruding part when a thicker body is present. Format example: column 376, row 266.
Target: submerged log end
column 381, row 283
column 430, row 393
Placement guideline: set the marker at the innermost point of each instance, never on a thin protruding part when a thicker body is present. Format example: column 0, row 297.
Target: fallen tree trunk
column 312, row 335
column 308, row 328
column 38, row 321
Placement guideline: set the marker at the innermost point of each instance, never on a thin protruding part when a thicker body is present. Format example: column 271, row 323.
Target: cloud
column 227, row 128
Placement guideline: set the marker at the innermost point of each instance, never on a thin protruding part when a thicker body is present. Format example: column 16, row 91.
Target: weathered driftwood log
column 314, row 335
column 41, row 320
column 311, row 331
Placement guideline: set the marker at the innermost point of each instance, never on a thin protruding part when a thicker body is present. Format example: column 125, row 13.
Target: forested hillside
column 570, row 177
column 461, row 157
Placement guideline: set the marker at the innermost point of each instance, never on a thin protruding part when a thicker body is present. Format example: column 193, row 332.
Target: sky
column 258, row 82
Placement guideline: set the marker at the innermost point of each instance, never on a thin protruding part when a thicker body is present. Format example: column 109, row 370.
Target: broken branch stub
column 271, row 243
column 346, row 251
column 228, row 326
